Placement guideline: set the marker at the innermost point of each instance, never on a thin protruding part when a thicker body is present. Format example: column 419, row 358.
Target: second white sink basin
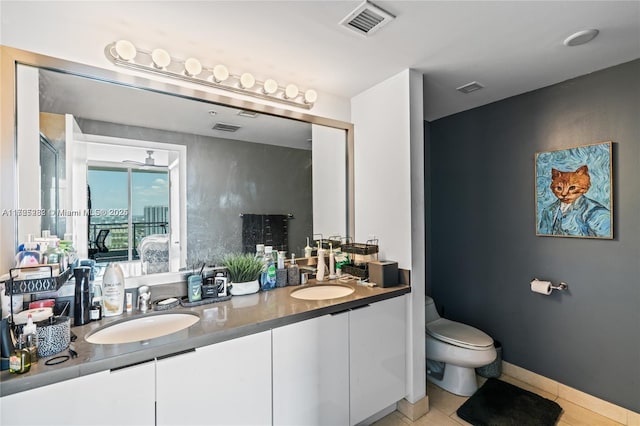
column 322, row 292
column 142, row 328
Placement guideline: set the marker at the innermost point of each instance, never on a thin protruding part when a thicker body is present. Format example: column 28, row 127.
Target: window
column 129, row 202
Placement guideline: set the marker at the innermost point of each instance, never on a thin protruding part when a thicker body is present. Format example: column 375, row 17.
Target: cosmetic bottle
column 30, row 333
column 320, row 272
column 281, row 272
column 194, row 282
column 82, row 298
column 332, row 263
column 293, row 272
column 112, row 291
column 20, row 359
column 268, row 277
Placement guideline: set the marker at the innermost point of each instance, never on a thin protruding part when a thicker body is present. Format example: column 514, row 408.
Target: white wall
column 389, row 194
column 33, row 26
column 383, row 167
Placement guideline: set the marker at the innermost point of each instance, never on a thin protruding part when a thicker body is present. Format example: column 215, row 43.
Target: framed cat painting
column 574, row 192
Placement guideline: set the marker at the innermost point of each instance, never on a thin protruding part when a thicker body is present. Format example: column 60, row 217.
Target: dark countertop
column 240, row 316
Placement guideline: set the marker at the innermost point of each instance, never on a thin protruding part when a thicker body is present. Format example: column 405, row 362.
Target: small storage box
column 383, row 273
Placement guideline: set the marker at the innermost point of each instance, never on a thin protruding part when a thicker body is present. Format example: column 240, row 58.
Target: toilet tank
column 430, row 312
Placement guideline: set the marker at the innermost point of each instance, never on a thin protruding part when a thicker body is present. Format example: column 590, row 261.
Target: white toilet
column 461, row 347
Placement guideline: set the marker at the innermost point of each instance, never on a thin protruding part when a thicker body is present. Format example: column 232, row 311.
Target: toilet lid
column 459, row 334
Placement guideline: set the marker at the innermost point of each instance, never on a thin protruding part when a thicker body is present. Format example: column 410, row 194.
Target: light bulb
column 247, row 81
column 291, row 91
column 192, row 67
column 220, row 73
column 125, row 50
column 160, row 58
column 270, row 86
column 310, row 96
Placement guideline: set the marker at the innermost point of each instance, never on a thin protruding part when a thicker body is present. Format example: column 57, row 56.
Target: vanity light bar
column 123, row 53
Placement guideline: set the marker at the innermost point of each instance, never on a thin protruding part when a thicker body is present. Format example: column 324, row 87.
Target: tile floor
column 443, row 406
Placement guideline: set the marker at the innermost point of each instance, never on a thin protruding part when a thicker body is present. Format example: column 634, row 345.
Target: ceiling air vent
column 366, row 19
column 224, row 127
column 470, row 87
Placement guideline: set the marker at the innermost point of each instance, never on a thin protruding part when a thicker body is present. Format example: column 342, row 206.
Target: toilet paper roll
column 542, row 287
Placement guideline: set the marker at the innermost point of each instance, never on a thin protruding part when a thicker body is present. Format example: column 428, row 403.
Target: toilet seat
column 459, row 334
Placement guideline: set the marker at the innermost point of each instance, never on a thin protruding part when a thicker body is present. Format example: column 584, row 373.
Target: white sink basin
column 322, row 292
column 142, row 328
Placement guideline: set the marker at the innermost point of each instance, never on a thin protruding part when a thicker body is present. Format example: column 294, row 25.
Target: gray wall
column 484, row 251
column 227, row 177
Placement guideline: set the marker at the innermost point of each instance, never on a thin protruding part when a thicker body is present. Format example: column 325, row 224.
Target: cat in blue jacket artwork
column 573, row 213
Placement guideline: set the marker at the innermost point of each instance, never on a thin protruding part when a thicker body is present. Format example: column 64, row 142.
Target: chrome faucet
column 144, row 295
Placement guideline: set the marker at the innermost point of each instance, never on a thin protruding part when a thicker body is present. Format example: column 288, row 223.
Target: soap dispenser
column 307, row 249
column 293, row 272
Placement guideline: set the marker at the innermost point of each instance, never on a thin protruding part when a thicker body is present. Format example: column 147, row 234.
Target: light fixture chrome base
column 143, row 61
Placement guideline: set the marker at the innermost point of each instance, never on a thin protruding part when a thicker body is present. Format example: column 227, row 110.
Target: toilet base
column 457, row 380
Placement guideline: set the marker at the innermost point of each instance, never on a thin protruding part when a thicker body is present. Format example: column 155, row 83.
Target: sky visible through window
column 109, row 189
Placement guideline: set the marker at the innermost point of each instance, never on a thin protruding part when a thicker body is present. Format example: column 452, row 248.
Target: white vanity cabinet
column 124, row 396
column 227, row 383
column 311, row 372
column 377, row 357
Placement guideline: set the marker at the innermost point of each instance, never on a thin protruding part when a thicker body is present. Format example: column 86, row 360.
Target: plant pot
column 250, row 287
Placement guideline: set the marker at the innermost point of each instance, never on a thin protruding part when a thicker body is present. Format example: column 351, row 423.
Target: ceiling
column 510, row 47
column 95, row 100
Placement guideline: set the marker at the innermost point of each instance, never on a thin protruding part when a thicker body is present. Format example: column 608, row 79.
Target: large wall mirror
column 119, row 163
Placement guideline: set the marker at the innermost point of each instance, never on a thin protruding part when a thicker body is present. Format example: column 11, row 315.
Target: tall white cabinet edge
column 377, row 357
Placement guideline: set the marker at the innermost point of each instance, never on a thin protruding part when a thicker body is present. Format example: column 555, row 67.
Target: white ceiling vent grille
column 366, row 19
column 225, row 127
column 470, row 87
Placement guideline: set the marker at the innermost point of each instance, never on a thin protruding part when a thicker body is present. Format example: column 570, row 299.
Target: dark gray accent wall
column 228, row 177
column 484, row 251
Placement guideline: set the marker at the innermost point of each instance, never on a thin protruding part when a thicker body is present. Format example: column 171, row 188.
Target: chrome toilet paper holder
column 561, row 286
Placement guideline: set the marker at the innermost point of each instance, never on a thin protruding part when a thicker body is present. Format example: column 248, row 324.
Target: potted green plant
column 244, row 271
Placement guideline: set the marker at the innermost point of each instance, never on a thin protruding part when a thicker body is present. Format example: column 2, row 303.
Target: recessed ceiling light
column 581, row 37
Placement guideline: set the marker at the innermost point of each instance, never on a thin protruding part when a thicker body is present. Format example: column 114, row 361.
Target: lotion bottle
column 112, row 291
column 321, row 266
column 332, row 263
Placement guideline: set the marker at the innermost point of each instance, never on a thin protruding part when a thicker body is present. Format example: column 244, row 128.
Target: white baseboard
column 597, row 405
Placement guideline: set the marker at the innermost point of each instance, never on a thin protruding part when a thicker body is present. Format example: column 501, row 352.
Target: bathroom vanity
column 265, row 358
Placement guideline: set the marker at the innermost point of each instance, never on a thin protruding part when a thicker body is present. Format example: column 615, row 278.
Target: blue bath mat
column 499, row 403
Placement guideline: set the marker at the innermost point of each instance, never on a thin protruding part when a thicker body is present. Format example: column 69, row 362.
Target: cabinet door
column 119, row 397
column 228, row 383
column 377, row 357
column 311, row 372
